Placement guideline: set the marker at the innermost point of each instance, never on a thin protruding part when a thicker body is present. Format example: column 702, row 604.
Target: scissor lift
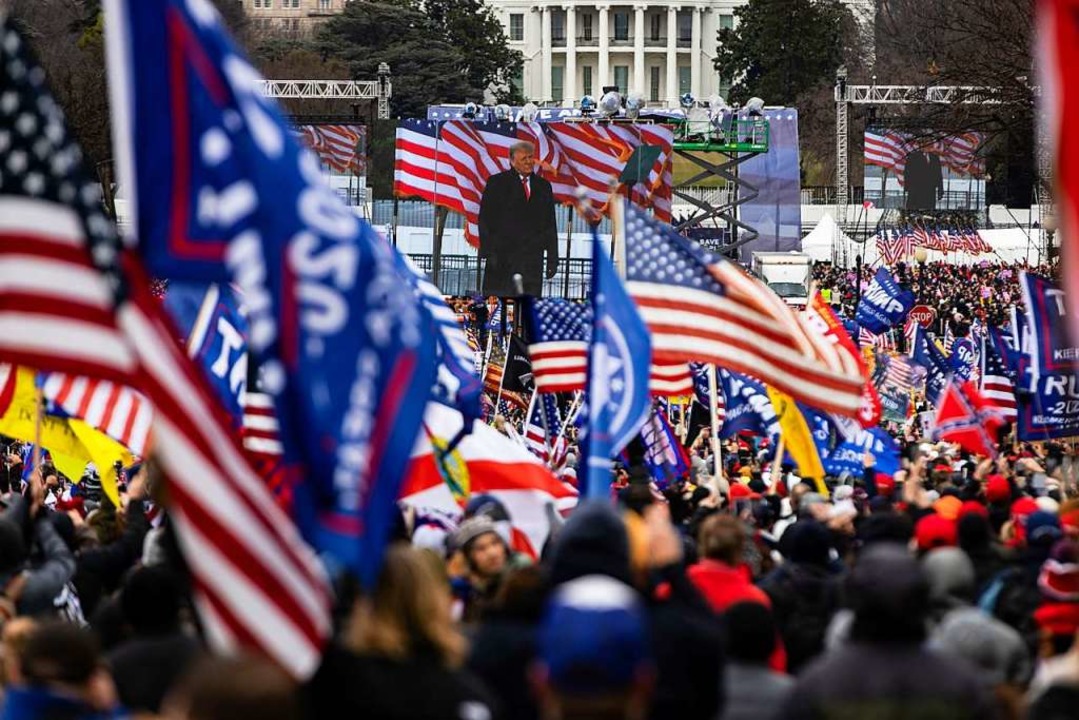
column 727, row 144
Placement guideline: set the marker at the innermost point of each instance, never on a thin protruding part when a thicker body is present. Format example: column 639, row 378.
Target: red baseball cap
column 934, row 531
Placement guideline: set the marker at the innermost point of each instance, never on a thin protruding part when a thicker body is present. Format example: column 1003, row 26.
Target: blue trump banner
column 884, row 304
column 215, row 333
column 1045, row 338
column 1048, row 365
column 619, row 358
column 847, row 456
column 926, row 353
column 963, row 359
column 221, row 191
column 748, row 407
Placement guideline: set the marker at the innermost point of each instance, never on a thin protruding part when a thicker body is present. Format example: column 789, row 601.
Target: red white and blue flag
column 559, row 348
column 256, row 584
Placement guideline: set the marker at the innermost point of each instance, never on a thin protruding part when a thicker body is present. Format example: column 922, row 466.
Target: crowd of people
column 949, row 589
column 960, row 294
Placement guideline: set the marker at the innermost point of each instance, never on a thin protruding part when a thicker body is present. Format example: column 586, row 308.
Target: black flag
column 517, row 376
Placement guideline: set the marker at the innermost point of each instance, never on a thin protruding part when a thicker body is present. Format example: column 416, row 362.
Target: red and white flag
column 485, row 462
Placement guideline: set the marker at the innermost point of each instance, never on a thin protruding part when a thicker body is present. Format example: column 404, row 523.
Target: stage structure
column 341, row 140
column 847, row 95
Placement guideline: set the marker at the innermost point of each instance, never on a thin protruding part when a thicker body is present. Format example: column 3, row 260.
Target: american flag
column 339, row 147
column 701, row 390
column 449, row 163
column 899, row 372
column 995, row 385
column 701, row 307
column 70, row 302
column 867, row 338
column 559, row 350
column 543, row 421
column 117, row 410
column 894, row 245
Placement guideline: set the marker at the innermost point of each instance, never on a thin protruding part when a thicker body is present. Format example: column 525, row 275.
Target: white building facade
column 573, row 48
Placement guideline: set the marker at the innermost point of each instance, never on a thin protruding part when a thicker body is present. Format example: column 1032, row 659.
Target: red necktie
column 524, row 184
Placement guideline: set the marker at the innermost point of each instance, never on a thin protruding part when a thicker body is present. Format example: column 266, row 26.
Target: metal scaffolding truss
column 320, row 89
column 847, row 95
column 379, row 90
column 918, row 95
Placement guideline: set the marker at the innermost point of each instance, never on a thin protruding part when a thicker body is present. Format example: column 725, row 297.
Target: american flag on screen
column 701, row 307
column 889, row 149
column 72, row 300
column 559, row 350
column 339, row 147
column 448, row 163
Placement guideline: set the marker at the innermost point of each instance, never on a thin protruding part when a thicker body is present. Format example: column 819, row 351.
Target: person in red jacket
column 721, row 576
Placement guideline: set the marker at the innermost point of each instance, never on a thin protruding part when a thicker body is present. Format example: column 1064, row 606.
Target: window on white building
column 517, row 27
column 653, row 83
column 263, row 4
column 685, row 79
column 586, row 78
column 685, row 26
column 290, row 3
column 558, row 26
column 726, row 22
column 586, row 26
column 621, row 77
column 558, row 75
column 655, row 24
column 325, row 4
column 621, row 26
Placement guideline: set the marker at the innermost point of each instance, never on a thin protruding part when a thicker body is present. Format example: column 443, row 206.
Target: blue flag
column 884, row 304
column 208, row 316
column 847, row 456
column 222, row 192
column 1048, row 365
column 664, row 455
column 928, row 355
column 963, row 359
column 748, row 407
column 619, row 357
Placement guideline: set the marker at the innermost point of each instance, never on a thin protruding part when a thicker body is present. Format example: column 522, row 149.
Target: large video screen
column 924, row 171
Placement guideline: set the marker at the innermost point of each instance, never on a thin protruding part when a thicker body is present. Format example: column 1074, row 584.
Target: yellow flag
column 798, row 438
column 105, row 452
column 19, row 419
column 71, row 443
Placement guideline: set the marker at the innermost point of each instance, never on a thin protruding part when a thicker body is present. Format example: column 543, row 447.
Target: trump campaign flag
column 928, row 355
column 221, row 191
column 884, row 304
column 1048, row 365
column 618, row 360
column 209, row 317
column 748, row 407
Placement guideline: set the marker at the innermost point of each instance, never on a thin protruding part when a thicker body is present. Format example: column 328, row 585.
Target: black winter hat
column 592, row 542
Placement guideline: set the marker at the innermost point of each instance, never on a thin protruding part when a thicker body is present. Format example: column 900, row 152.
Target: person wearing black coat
column 517, row 226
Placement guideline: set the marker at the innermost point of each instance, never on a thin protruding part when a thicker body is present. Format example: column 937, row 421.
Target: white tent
column 822, row 241
column 827, row 242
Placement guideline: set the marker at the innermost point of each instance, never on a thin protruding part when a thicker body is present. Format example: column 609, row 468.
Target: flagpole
column 571, row 415
column 717, row 448
column 502, row 377
column 39, row 412
column 777, row 465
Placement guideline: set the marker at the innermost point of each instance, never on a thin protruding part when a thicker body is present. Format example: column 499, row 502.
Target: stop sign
column 923, row 314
